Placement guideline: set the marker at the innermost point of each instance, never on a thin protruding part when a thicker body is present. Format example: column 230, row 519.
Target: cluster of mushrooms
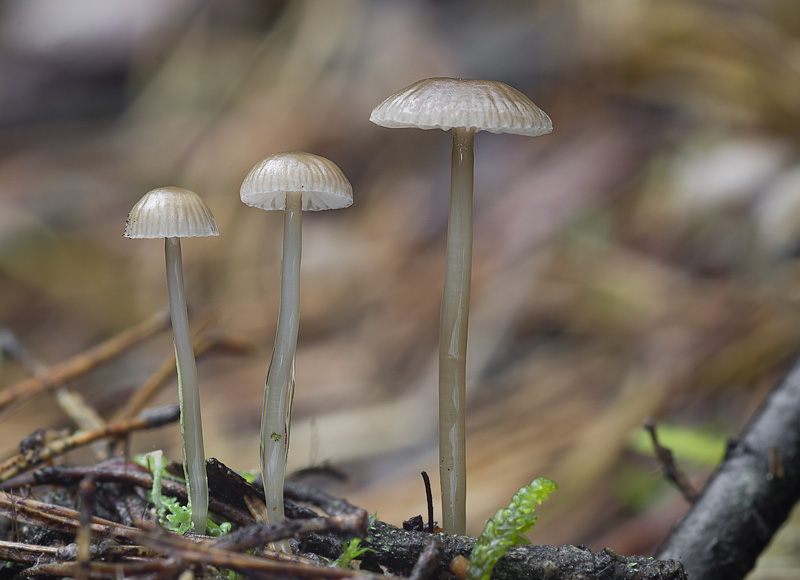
column 294, row 182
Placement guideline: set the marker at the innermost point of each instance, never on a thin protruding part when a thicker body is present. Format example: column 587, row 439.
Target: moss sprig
column 507, row 528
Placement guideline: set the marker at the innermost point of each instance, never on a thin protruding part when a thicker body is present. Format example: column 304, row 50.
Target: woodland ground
column 626, row 265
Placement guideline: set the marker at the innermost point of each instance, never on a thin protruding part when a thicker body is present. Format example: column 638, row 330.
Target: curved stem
column 453, row 336
column 280, row 377
column 191, row 425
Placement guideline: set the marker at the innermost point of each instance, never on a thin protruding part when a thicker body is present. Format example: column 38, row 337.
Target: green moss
column 506, row 528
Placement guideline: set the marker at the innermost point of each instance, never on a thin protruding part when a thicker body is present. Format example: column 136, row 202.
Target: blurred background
column 638, row 261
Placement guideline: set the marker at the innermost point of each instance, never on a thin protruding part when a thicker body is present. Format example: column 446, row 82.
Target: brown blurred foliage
column 636, row 262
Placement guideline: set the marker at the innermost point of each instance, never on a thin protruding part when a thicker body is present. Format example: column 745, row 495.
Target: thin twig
column 72, row 403
column 354, row 524
column 11, row 345
column 107, row 570
column 60, row 561
column 80, row 364
column 164, row 372
column 25, row 553
column 143, row 479
column 84, row 536
column 205, row 344
column 328, row 503
column 57, row 518
column 151, row 419
column 170, row 544
column 667, row 461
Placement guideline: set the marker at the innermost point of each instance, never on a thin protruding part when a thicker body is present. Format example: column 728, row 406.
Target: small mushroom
column 294, row 182
column 465, row 106
column 174, row 213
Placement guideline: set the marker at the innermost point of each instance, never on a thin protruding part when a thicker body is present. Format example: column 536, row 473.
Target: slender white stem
column 194, row 459
column 453, row 336
column 280, row 377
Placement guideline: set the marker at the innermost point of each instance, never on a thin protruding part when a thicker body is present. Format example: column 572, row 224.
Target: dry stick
column 328, row 503
column 84, row 536
column 13, row 347
column 67, row 474
column 258, row 509
column 164, row 372
column 65, row 520
column 128, row 569
column 160, row 540
column 76, row 408
column 58, row 518
column 149, row 388
column 150, row 419
column 26, row 553
column 745, row 501
column 203, row 342
column 264, row 533
column 667, row 461
column 105, row 551
column 72, row 403
column 80, row 364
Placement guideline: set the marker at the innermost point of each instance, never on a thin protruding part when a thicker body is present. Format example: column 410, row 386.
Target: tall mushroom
column 465, row 106
column 174, row 213
column 293, row 181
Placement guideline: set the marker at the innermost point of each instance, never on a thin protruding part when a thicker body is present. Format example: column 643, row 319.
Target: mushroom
column 174, row 213
column 465, row 106
column 292, row 181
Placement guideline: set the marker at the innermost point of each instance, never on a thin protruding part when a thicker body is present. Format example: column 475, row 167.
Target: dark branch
column 400, row 550
column 749, row 496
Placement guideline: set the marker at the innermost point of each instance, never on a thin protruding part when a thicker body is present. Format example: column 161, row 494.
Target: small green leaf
column 212, row 529
column 179, row 518
column 351, row 549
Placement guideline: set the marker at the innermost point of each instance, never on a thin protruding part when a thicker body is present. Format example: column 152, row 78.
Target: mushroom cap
column 320, row 180
column 170, row 212
column 444, row 103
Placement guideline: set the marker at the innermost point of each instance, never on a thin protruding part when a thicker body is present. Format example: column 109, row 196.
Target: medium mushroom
column 465, row 106
column 174, row 213
column 292, row 181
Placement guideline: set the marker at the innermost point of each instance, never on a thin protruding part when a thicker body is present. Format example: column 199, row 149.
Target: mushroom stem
column 191, row 425
column 280, row 376
column 453, row 335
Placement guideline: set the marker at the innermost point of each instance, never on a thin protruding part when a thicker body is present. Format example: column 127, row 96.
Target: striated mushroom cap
column 170, row 212
column 444, row 103
column 320, row 180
